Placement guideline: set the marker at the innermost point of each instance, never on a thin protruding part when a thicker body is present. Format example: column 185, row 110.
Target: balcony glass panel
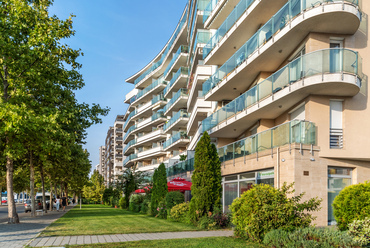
column 202, row 37
column 180, row 71
column 158, row 115
column 150, row 87
column 208, row 9
column 129, row 117
column 129, row 158
column 129, row 131
column 129, row 144
column 158, row 98
column 177, row 116
column 275, row 24
column 314, row 63
column 303, row 132
column 182, row 49
column 174, row 138
column 155, row 65
column 181, row 167
column 176, row 96
column 239, row 9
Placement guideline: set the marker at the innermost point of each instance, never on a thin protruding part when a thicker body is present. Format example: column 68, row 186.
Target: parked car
column 27, row 205
column 4, row 201
column 47, row 198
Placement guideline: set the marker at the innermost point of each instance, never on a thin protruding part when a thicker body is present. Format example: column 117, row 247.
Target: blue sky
column 118, row 38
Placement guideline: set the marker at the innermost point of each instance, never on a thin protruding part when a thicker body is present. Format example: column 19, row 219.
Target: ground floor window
column 235, row 185
column 338, row 179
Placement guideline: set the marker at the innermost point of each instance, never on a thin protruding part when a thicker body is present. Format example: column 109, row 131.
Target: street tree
column 38, row 73
column 160, row 187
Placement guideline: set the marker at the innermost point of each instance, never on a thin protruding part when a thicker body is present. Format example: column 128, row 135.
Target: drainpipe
column 278, row 167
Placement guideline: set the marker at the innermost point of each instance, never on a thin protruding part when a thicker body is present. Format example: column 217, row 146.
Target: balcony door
column 336, row 54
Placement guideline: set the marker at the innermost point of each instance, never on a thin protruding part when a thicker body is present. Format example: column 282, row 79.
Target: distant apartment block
column 281, row 87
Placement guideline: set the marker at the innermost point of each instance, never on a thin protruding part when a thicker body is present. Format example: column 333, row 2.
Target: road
column 4, row 212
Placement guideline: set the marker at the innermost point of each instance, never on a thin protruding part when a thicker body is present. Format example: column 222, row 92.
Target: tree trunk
column 12, row 211
column 51, row 197
column 32, row 186
column 66, row 190
column 43, row 190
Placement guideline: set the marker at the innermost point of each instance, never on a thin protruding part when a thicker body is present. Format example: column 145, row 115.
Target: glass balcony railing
column 174, row 138
column 155, row 65
column 237, row 12
column 180, row 71
column 202, row 4
column 276, row 23
column 319, row 62
column 295, row 131
column 129, row 117
column 209, row 8
column 182, row 49
column 158, row 98
column 150, row 87
column 178, row 115
column 158, row 115
column 129, row 131
column 202, row 37
column 181, row 167
column 129, row 158
column 129, row 144
column 176, row 96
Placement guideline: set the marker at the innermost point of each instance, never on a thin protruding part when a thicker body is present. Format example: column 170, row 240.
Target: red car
column 4, row 201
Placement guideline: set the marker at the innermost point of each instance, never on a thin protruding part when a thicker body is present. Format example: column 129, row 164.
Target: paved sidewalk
column 18, row 235
column 92, row 239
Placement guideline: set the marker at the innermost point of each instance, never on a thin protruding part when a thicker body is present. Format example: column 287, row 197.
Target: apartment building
column 112, row 152
column 101, row 166
column 281, row 87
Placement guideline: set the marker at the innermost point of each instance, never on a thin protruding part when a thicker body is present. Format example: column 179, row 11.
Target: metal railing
column 174, row 138
column 177, row 116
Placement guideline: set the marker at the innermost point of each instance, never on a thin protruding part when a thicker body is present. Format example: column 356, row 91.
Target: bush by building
column 173, row 198
column 180, row 212
column 122, row 203
column 264, row 208
column 352, row 203
column 360, row 231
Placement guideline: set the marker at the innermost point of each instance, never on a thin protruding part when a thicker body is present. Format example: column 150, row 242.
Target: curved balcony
column 178, row 140
column 128, row 133
column 155, row 135
column 178, row 120
column 302, row 132
column 177, row 102
column 146, row 94
column 269, row 47
column 129, row 161
column 153, row 152
column 129, row 147
column 334, row 72
column 156, row 67
column 178, row 59
column 178, row 81
column 238, row 27
column 128, row 119
column 217, row 11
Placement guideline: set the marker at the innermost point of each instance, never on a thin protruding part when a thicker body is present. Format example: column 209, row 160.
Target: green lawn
column 180, row 243
column 100, row 219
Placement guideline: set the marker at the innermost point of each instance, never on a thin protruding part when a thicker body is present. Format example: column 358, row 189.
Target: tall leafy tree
column 95, row 188
column 206, row 186
column 160, row 187
column 39, row 75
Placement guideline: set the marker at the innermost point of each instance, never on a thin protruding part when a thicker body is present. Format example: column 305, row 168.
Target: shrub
column 352, row 203
column 206, row 222
column 360, row 231
column 144, row 207
column 162, row 210
column 122, row 203
column 180, row 212
column 173, row 198
column 308, row 237
column 135, row 202
column 264, row 208
column 221, row 219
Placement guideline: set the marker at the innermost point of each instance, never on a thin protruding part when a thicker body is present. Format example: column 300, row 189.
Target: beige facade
column 286, row 93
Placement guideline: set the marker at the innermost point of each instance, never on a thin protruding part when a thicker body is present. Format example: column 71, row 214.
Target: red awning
column 141, row 190
column 179, row 184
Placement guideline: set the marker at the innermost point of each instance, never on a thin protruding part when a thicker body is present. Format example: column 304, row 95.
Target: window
column 338, row 179
column 336, row 129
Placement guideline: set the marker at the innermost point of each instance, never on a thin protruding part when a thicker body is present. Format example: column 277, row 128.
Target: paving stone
column 108, row 238
column 114, row 238
column 87, row 240
column 101, row 239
